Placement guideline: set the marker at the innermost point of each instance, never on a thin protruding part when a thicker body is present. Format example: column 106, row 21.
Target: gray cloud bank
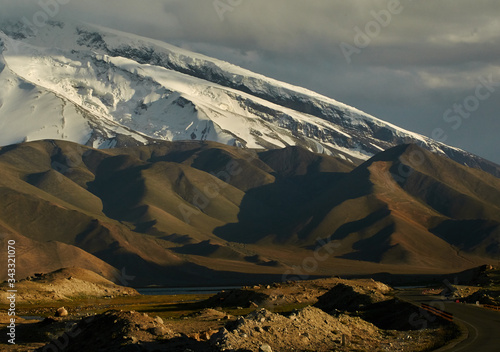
column 422, row 59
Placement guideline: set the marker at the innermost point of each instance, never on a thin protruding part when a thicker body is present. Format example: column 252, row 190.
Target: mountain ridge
column 201, row 210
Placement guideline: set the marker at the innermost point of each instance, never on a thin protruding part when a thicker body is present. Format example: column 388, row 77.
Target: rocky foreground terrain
column 318, row 315
column 307, row 329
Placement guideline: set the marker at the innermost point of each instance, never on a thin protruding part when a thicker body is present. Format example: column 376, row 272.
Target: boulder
column 61, row 312
column 265, row 348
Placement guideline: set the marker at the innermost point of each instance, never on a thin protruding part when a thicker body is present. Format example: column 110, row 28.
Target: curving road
column 482, row 326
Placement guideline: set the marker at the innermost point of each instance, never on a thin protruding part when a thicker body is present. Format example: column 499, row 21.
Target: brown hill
column 67, row 283
column 183, row 212
column 45, row 256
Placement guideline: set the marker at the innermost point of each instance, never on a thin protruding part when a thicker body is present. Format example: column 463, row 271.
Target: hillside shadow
column 120, row 186
column 473, row 233
column 373, row 248
column 292, row 205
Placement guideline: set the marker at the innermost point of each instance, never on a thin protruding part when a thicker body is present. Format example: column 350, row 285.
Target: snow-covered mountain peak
column 103, row 87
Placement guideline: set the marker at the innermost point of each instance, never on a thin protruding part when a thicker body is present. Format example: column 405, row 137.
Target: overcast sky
column 430, row 66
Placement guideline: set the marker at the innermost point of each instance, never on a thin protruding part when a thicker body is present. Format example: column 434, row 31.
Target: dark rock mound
column 399, row 315
column 348, row 298
column 484, row 296
column 236, row 298
column 113, row 331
